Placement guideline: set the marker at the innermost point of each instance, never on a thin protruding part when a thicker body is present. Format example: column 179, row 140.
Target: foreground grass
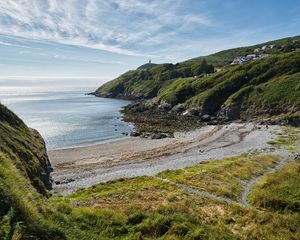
column 22, row 208
column 223, row 178
column 150, row 208
column 166, row 212
column 279, row 191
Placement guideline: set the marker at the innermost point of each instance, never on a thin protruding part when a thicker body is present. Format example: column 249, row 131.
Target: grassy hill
column 24, row 181
column 225, row 57
column 269, row 83
column 269, row 86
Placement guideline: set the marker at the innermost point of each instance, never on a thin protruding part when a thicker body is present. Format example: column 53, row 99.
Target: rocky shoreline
column 151, row 117
column 156, row 119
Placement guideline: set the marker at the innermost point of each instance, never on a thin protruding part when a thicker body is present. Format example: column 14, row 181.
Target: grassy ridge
column 146, row 82
column 24, row 181
column 270, row 83
column 23, row 210
column 225, row 57
column 274, row 191
column 251, row 83
column 26, row 148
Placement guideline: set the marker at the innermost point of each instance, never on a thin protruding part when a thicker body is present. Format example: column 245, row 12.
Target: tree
column 203, row 68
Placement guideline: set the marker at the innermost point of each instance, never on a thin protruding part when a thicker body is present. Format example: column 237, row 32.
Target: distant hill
column 265, row 83
column 225, row 57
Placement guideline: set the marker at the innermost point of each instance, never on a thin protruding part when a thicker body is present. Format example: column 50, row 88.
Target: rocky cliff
column 24, row 181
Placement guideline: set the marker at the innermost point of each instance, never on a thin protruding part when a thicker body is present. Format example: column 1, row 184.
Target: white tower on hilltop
column 149, row 61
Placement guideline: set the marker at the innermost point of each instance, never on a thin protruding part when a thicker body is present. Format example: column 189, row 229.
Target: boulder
column 158, row 136
column 179, row 108
column 165, row 106
column 190, row 112
column 214, row 122
column 170, row 135
column 64, row 181
column 297, row 157
column 206, row 118
column 135, row 134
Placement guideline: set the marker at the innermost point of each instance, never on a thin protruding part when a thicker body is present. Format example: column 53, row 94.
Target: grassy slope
column 24, row 181
column 231, row 86
column 146, row 82
column 149, row 208
column 279, row 191
column 225, row 57
column 26, row 148
column 268, row 83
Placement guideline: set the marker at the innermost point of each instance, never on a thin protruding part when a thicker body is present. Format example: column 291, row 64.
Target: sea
column 67, row 119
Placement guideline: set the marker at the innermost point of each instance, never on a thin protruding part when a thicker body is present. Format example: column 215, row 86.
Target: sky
column 88, row 42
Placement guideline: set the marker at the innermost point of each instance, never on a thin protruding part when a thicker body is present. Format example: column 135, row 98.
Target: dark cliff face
column 24, row 182
column 26, row 149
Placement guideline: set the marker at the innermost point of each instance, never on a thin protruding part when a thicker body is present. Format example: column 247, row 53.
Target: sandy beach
column 81, row 167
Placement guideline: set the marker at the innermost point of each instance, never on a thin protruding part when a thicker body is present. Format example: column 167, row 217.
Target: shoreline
column 91, row 144
column 83, row 167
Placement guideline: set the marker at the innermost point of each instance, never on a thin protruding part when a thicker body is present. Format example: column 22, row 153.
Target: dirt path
column 200, row 193
column 83, row 167
column 247, row 185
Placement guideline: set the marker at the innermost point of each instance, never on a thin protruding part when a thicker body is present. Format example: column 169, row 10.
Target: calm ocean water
column 68, row 119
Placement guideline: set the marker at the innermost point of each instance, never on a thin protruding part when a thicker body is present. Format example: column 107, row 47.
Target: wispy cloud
column 15, row 45
column 116, row 26
column 70, row 58
column 160, row 29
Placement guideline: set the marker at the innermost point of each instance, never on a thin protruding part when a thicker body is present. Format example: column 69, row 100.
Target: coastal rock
column 135, row 134
column 179, row 108
column 64, row 181
column 170, row 135
column 137, row 108
column 206, row 118
column 165, row 106
column 158, row 136
column 213, row 122
column 190, row 112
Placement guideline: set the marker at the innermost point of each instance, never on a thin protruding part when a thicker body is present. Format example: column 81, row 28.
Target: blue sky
column 92, row 41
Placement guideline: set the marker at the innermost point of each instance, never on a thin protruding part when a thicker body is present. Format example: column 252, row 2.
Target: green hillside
column 270, row 82
column 270, row 85
column 145, row 82
column 225, row 57
column 24, row 181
